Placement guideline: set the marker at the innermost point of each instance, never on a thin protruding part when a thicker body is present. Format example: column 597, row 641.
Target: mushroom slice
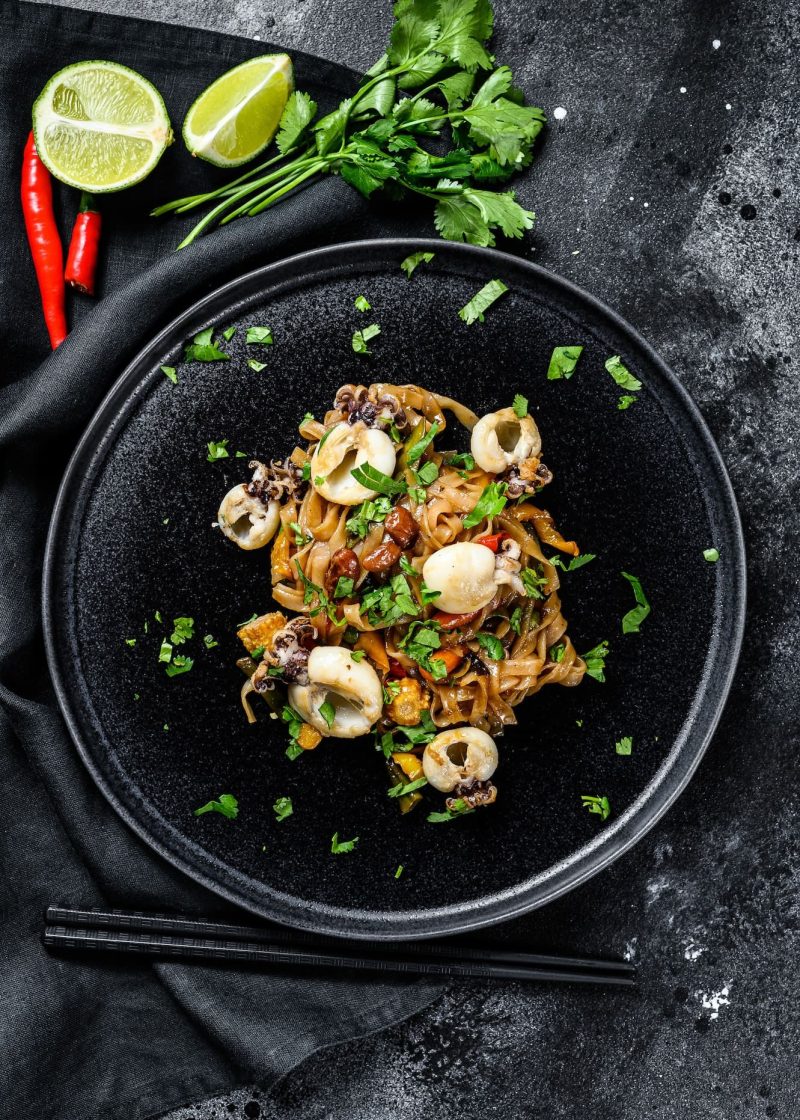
column 502, row 439
column 459, row 757
column 351, row 688
column 345, row 447
column 246, row 520
column 463, row 574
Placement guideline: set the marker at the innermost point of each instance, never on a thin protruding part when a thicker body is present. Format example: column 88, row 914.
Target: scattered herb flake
column 575, row 563
column 599, row 805
column 361, row 338
column 344, row 587
column 228, row 333
column 491, row 502
column 533, row 582
column 283, row 808
column 374, row 479
column 636, row 616
column 328, row 713
column 459, row 808
column 416, row 452
column 183, row 629
column 170, row 374
column 338, row 846
column 493, row 646
column 624, row 745
column 413, row 260
column 202, row 349
column 358, row 655
column 165, row 653
column 563, row 361
column 259, row 335
column 625, row 402
column 520, row 406
column 178, row 665
column 515, row 621
column 209, row 642
column 217, row 449
column 256, row 366
column 361, row 303
column 475, row 309
column 596, row 661
column 131, row 641
column 711, row 555
column 621, row 374
column 402, row 788
column 400, row 868
column 557, row 652
column 226, row 804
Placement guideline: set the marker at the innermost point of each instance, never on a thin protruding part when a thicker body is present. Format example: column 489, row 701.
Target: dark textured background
column 681, row 210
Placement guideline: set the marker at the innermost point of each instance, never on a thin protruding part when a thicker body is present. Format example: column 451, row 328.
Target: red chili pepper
column 492, row 541
column 83, row 248
column 48, row 256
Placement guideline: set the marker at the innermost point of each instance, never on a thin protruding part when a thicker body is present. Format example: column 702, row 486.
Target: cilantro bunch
column 434, row 117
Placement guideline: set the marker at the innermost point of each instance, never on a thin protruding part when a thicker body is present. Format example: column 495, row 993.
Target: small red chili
column 40, row 226
column 84, row 246
column 492, row 541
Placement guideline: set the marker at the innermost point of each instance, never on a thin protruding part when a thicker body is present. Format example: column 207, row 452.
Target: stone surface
column 681, row 210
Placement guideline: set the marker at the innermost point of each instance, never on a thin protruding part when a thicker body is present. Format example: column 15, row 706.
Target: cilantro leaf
column 361, row 303
column 328, row 713
column 257, row 366
column 283, row 808
column 596, row 661
column 165, row 653
column 209, row 642
column 217, row 450
column 338, row 846
column 461, row 459
column 624, row 745
column 372, row 510
column 473, row 311
column 401, row 789
column 520, row 406
column 556, row 652
column 599, row 805
column 636, row 616
column 493, row 646
column 295, row 119
column 374, row 479
column 226, row 805
column 228, row 333
column 202, row 349
column 459, row 808
column 170, row 374
column 421, row 446
column 361, row 338
column 183, row 629
column 399, row 871
column 491, row 502
column 562, row 362
column 625, row 402
column 575, row 562
column 621, row 374
column 262, row 335
column 413, row 260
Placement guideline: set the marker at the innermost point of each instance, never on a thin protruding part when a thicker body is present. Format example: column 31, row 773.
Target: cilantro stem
column 263, row 203
column 191, row 201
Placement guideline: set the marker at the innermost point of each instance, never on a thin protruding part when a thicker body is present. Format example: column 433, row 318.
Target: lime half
column 238, row 114
column 100, row 126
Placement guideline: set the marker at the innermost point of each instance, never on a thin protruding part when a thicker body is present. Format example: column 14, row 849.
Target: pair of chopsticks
column 155, row 935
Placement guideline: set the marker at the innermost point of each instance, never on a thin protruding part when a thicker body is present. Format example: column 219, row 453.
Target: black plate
column 645, row 489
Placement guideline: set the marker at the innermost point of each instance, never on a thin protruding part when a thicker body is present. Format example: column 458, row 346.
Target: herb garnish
column 183, row 629
column 323, row 602
column 228, row 333
column 338, row 846
column 711, row 555
column 209, row 642
column 386, row 604
column 562, row 362
column 596, row 661
column 625, row 402
column 170, row 374
column 520, row 406
column 491, row 502
column 420, row 642
column 636, row 616
column 374, row 479
column 493, row 646
column 202, row 349
column 413, row 260
column 421, row 446
column 374, row 509
column 401, row 789
column 361, row 338
column 474, row 310
column 262, row 335
column 533, row 583
column 256, row 366
column 624, row 745
column 178, row 665
column 226, row 804
column 515, row 621
column 328, row 713
column 575, row 563
column 459, row 808
column 217, row 449
column 361, row 303
column 621, row 374
column 399, row 871
column 557, row 652
column 461, row 459
column 295, row 726
column 283, row 808
column 599, row 805
column 344, row 587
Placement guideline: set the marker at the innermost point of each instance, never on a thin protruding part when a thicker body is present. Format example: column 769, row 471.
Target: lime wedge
column 238, row 114
column 100, row 126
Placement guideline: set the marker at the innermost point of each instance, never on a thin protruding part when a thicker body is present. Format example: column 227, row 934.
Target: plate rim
column 615, row 840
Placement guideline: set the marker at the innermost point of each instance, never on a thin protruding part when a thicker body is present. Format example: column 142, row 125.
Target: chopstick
column 170, row 937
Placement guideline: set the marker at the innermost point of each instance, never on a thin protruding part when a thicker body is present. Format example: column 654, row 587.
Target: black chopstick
column 165, row 936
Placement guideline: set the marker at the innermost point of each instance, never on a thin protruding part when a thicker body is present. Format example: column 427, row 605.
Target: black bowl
column 132, row 535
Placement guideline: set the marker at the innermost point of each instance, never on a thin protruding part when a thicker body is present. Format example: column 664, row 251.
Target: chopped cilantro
column 293, row 751
column 624, row 745
column 389, row 602
column 418, row 449
column 401, row 789
column 165, row 653
column 461, row 459
column 420, row 642
column 228, row 333
column 131, row 641
column 515, row 622
column 557, row 652
column 306, row 471
column 520, row 406
column 373, row 510
column 427, row 473
column 361, row 303
column 226, row 804
column 599, row 805
column 474, row 310
column 300, row 537
column 493, row 646
column 596, row 661
column 399, row 870
column 217, row 450
column 711, row 555
column 562, row 362
column 183, row 629
column 178, row 665
column 358, row 654
column 491, row 502
column 209, row 642
column 361, row 338
column 328, row 713
column 533, row 583
column 202, row 349
column 374, row 479
column 158, row 618
column 338, row 846
column 344, row 587
column 413, row 260
column 636, row 616
column 575, row 562
column 621, row 374
column 283, row 808
column 262, row 335
column 459, row 808
column 170, row 374
column 256, row 366
column 294, row 723
column 136, row 696
column 625, row 402
column 319, row 480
